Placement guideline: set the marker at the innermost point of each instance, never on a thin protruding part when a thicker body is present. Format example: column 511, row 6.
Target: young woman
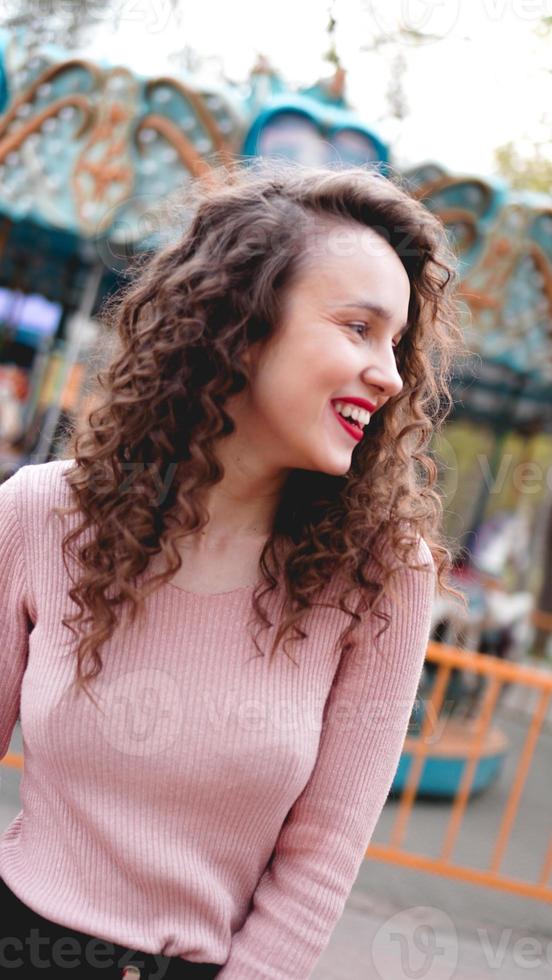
column 258, row 454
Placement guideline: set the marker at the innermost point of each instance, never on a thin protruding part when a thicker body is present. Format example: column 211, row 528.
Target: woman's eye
column 364, row 327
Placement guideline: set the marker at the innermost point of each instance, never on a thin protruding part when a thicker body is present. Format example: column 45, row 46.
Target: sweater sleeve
column 303, row 890
column 15, row 619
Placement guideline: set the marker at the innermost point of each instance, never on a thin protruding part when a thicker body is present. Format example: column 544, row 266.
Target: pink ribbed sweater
column 219, row 809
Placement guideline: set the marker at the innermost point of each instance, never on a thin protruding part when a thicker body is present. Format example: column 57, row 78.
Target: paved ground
column 401, row 924
column 376, row 940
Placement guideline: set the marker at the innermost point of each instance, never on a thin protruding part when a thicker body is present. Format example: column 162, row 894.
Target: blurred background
column 106, row 109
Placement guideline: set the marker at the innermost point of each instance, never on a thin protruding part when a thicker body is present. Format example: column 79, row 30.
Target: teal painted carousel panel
column 525, row 331
column 206, row 118
column 91, row 148
column 540, row 231
column 23, row 65
column 467, row 206
column 41, row 132
column 509, row 291
column 424, row 173
column 180, row 133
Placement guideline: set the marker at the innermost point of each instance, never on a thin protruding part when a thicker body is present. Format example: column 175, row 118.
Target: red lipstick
column 353, row 430
column 361, row 402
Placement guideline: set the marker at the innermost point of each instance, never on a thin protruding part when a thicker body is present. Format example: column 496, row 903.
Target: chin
column 333, row 467
column 341, row 470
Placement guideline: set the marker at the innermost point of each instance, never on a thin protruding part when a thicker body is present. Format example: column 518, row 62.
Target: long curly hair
column 180, row 328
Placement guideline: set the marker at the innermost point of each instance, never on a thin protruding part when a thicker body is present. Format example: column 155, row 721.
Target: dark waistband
column 97, row 954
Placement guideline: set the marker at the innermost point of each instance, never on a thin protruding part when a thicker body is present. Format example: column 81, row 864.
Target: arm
column 15, row 621
column 303, row 890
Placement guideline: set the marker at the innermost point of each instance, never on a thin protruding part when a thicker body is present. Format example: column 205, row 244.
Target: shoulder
column 424, row 555
column 420, row 580
column 410, row 594
column 36, row 488
column 419, row 569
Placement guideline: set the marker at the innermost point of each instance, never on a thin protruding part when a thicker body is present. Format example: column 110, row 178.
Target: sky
column 484, row 79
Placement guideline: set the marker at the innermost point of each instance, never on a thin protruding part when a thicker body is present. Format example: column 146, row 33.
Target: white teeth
column 353, row 412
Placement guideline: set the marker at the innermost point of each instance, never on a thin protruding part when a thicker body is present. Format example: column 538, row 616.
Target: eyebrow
column 377, row 310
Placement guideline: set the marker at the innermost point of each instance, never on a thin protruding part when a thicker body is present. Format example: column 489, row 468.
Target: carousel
column 88, row 153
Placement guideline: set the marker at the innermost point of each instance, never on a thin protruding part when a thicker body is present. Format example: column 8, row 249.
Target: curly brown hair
column 180, row 329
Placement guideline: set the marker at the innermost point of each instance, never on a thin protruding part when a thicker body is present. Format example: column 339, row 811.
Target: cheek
column 277, row 386
column 297, row 383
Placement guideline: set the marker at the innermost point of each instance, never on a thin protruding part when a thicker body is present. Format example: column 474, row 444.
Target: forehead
column 343, row 256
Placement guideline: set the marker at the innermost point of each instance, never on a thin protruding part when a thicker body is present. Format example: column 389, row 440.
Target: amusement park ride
column 89, row 151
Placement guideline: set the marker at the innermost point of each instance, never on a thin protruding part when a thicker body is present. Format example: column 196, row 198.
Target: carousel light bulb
column 147, row 135
column 473, row 195
column 162, row 95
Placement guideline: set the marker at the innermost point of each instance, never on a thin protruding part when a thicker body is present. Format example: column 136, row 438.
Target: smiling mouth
column 360, row 417
column 351, row 421
column 351, row 426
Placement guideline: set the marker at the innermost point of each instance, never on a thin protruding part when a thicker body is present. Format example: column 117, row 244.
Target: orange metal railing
column 477, row 730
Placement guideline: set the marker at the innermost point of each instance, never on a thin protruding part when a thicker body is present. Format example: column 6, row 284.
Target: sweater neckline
column 202, row 595
column 212, row 595
column 216, row 595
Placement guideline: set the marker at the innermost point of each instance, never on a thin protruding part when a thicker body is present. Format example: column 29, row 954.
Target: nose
column 382, row 374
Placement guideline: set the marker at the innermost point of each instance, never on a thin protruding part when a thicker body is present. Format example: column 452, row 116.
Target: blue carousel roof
column 300, row 128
